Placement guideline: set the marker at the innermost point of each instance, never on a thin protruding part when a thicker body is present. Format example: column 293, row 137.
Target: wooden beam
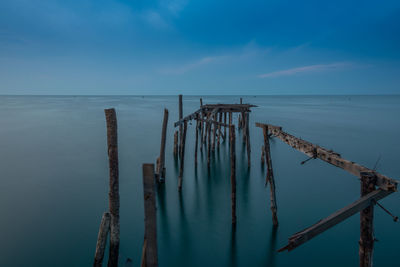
column 329, row 156
column 232, row 152
column 187, row 118
column 337, row 217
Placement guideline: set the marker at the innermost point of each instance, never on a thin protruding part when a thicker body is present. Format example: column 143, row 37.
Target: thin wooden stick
column 102, row 239
column 248, row 141
column 150, row 219
column 196, row 143
column 160, row 172
column 176, row 144
column 182, row 157
column 112, row 143
column 233, row 173
column 270, row 177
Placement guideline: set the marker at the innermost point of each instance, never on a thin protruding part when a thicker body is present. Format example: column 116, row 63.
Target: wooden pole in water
column 209, row 144
column 182, row 157
column 112, row 143
column 233, row 173
column 102, row 239
column 270, row 177
column 214, row 132
column 180, row 126
column 366, row 244
column 176, row 144
column 244, row 123
column 201, row 102
column 160, row 173
column 197, row 141
column 248, row 141
column 219, row 130
column 201, row 132
column 224, row 125
column 150, row 219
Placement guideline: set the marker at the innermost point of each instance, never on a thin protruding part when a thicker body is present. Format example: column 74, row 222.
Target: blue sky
column 199, row 47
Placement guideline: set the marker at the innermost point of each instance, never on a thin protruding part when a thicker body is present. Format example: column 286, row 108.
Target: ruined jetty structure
column 213, row 123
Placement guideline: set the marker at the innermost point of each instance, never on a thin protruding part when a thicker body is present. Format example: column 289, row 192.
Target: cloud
column 190, row 66
column 308, row 69
column 155, row 19
column 174, row 6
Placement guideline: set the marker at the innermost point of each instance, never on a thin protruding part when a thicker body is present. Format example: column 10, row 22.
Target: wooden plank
column 112, row 144
column 187, row 118
column 329, row 156
column 102, row 239
column 337, row 217
column 150, row 219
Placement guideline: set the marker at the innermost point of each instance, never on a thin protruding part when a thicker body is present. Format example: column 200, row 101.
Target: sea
column 54, row 181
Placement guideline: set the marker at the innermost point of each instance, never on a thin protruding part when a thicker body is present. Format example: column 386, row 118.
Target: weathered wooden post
column 244, row 123
column 270, row 177
column 201, row 102
column 209, row 145
column 201, row 131
column 214, row 132
column 180, row 126
column 160, row 172
column 182, row 156
column 197, row 140
column 176, row 148
column 102, row 239
column 233, row 172
column 112, row 143
column 219, row 129
column 150, row 219
column 248, row 141
column 224, row 125
column 366, row 244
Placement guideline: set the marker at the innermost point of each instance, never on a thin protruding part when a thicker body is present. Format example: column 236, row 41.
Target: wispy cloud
column 309, row 69
column 190, row 66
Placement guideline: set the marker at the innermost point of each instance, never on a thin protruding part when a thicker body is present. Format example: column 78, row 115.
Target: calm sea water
column 54, row 181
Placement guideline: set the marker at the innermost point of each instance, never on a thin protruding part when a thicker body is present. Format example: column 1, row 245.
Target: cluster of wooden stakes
column 211, row 125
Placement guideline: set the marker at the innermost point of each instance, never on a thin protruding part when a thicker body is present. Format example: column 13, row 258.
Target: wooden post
column 176, row 144
column 241, row 100
column 150, row 219
column 248, row 141
column 209, row 144
column 270, row 177
column 233, row 172
column 219, row 129
column 225, row 125
column 180, row 126
column 196, row 143
column 112, row 143
column 206, row 125
column 262, row 155
column 230, row 123
column 160, row 172
column 366, row 244
column 201, row 131
column 182, row 156
column 102, row 239
column 244, row 123
column 201, row 102
column 214, row 132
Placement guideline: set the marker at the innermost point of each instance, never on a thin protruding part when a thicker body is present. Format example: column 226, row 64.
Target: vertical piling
column 219, row 129
column 150, row 219
column 270, row 177
column 197, row 141
column 366, row 244
column 243, row 126
column 224, row 125
column 214, row 132
column 209, row 144
column 180, row 126
column 262, row 155
column 248, row 141
column 160, row 172
column 233, row 172
column 182, row 156
column 102, row 239
column 112, row 143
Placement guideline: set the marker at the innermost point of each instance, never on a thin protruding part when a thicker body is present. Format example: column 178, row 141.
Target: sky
column 199, row 47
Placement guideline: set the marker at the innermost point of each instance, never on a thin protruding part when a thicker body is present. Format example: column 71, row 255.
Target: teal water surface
column 54, row 181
